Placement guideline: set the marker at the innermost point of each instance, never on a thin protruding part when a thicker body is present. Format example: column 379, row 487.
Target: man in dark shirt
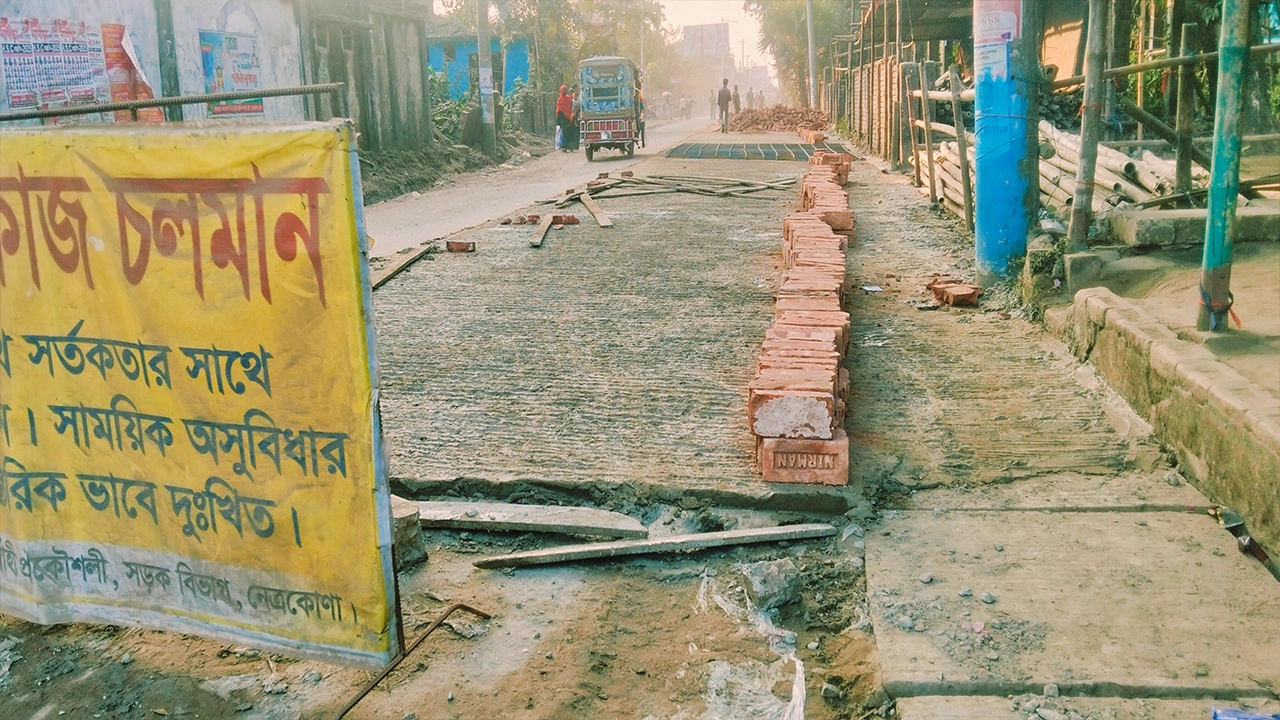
column 723, row 99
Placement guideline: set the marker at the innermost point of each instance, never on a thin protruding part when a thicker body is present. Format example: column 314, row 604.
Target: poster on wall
column 124, row 74
column 175, row 453
column 58, row 62
column 231, row 64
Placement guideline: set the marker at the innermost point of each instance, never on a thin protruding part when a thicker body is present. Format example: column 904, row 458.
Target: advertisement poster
column 189, row 434
column 996, row 21
column 231, row 64
column 124, row 74
column 59, row 62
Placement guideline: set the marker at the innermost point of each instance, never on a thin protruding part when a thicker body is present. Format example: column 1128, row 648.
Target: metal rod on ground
column 172, row 101
column 400, row 658
column 1185, row 114
column 963, row 142
column 926, row 105
column 1090, row 127
column 1224, row 180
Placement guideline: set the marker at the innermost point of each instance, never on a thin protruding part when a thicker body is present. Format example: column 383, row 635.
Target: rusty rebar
column 400, row 658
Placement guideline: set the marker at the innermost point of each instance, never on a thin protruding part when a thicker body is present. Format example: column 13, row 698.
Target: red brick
column 460, row 246
column 824, row 462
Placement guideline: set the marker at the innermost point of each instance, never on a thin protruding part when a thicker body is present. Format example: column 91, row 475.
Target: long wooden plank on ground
column 601, row 219
column 541, row 232
column 675, row 543
column 529, row 518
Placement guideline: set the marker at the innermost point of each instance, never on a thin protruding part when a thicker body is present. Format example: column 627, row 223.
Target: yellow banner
column 188, row 420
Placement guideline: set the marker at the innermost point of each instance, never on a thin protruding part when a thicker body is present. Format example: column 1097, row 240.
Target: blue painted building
column 455, row 57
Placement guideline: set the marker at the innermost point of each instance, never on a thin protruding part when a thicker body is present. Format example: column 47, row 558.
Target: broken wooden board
column 675, row 543
column 529, row 518
column 541, row 232
column 596, row 212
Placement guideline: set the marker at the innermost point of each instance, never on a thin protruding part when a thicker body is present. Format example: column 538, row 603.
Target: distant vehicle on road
column 610, row 105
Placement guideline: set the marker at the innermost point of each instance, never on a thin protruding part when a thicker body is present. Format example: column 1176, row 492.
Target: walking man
column 751, row 99
column 722, row 101
column 737, row 101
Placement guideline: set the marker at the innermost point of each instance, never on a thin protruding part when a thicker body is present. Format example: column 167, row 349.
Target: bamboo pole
column 1185, row 114
column 911, row 118
column 927, row 111
column 1161, row 64
column 1078, row 230
column 962, row 141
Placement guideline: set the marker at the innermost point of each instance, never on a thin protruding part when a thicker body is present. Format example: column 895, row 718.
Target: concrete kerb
column 815, row 499
column 1213, row 418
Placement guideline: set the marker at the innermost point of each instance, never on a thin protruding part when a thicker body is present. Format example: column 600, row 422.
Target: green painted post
column 169, row 85
column 1224, row 177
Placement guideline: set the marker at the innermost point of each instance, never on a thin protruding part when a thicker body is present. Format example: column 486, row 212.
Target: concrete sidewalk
column 1040, row 536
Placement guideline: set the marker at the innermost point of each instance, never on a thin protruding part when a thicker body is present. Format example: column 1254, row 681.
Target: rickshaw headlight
column 605, row 135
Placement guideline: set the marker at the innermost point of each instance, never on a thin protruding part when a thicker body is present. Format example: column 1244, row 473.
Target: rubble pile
column 797, row 400
column 778, row 118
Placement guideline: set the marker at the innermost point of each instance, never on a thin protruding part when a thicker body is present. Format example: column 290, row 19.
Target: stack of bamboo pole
column 1118, row 178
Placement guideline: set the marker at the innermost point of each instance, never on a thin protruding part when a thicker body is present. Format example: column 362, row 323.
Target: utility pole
column 1224, row 177
column 813, row 56
column 1006, row 80
column 484, row 59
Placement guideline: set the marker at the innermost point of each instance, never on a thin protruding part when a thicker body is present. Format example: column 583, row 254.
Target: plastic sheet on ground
column 746, row 690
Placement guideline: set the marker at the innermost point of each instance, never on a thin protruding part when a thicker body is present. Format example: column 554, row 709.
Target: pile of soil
column 776, row 119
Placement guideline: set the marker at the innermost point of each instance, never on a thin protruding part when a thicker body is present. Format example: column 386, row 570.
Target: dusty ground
column 617, row 640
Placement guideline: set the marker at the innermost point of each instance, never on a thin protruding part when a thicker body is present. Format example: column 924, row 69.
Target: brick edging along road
column 1223, row 428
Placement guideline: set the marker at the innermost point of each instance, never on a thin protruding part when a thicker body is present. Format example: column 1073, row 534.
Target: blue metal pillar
column 1006, row 191
column 1224, row 177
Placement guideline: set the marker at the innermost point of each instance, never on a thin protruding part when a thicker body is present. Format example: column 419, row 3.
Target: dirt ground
column 613, row 640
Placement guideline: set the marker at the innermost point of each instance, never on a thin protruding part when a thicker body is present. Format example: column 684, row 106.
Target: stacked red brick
column 810, row 134
column 796, row 403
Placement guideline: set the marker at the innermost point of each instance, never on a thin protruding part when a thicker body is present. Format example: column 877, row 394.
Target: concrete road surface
column 478, row 198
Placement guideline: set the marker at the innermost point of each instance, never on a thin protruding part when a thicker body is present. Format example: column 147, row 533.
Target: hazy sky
column 744, row 30
column 742, row 27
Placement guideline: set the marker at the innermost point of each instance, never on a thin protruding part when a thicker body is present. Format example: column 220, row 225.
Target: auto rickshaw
column 610, row 105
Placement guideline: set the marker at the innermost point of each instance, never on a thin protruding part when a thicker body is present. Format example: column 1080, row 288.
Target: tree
column 784, row 34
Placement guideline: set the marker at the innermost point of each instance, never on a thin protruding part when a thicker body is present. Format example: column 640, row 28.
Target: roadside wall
column 1224, row 429
column 273, row 23
column 138, row 17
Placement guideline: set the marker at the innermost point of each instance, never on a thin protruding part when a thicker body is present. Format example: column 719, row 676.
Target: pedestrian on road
column 760, row 100
column 751, row 99
column 564, row 116
column 737, row 101
column 722, row 101
column 574, row 136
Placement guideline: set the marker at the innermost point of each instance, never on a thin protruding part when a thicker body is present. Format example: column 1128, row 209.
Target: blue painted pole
column 1006, row 191
column 1224, row 177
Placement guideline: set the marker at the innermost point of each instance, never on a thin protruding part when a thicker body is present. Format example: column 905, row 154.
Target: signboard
column 231, row 64
column 706, row 40
column 996, row 21
column 189, row 436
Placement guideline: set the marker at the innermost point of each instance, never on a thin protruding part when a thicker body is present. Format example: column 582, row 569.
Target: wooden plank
column 675, row 543
column 541, row 232
column 529, row 518
column 601, row 219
